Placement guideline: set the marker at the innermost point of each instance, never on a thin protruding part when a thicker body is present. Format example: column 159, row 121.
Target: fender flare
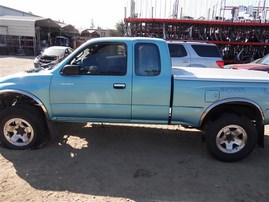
column 231, row 100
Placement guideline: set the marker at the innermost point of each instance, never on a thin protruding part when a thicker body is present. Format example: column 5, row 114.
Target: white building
column 22, row 33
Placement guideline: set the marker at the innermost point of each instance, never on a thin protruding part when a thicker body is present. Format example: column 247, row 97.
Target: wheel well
column 239, row 108
column 249, row 110
column 9, row 99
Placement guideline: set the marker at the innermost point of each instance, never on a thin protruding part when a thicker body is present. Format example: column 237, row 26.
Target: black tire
column 231, row 137
column 22, row 127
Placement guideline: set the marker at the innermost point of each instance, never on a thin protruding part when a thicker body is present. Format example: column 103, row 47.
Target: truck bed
column 219, row 74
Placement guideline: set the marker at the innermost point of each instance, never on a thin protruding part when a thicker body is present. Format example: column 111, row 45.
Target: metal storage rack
column 239, row 42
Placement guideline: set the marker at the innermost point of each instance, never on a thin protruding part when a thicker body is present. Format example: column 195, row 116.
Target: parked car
column 52, row 56
column 195, row 54
column 261, row 64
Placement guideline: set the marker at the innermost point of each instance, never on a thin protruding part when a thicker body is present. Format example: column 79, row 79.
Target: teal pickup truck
column 131, row 80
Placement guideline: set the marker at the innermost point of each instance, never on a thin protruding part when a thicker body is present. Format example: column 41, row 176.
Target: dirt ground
column 109, row 162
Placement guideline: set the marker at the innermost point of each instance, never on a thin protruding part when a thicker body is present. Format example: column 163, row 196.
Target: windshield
column 264, row 60
column 54, row 51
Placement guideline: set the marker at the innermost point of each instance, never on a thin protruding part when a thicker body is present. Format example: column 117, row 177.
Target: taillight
column 220, row 63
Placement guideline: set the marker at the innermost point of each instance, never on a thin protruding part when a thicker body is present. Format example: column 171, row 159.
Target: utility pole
column 132, row 9
column 175, row 9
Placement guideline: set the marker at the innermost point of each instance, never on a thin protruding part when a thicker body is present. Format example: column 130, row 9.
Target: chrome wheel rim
column 231, row 139
column 18, row 132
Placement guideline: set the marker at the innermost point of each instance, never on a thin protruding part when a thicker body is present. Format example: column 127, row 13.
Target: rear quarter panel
column 192, row 98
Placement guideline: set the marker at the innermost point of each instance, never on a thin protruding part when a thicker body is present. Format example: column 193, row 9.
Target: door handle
column 119, row 85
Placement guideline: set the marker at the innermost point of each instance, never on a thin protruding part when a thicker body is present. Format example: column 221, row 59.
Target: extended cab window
column 147, row 59
column 102, row 59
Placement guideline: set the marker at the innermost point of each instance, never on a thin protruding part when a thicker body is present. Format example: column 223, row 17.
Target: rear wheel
column 231, row 137
column 22, row 127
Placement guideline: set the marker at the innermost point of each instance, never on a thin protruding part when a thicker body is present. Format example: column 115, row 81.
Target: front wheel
column 22, row 127
column 231, row 137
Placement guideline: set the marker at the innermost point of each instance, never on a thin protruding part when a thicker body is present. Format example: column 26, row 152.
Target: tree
column 120, row 28
column 119, row 31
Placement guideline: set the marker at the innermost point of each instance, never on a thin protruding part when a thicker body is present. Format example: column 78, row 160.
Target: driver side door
column 102, row 89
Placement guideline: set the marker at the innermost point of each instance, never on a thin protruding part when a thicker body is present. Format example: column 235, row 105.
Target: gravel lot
column 109, row 162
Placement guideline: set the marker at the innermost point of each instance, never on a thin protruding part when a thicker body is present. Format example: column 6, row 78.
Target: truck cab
column 112, row 82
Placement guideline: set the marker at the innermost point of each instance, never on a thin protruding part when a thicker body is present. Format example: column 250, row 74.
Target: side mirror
column 70, row 70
